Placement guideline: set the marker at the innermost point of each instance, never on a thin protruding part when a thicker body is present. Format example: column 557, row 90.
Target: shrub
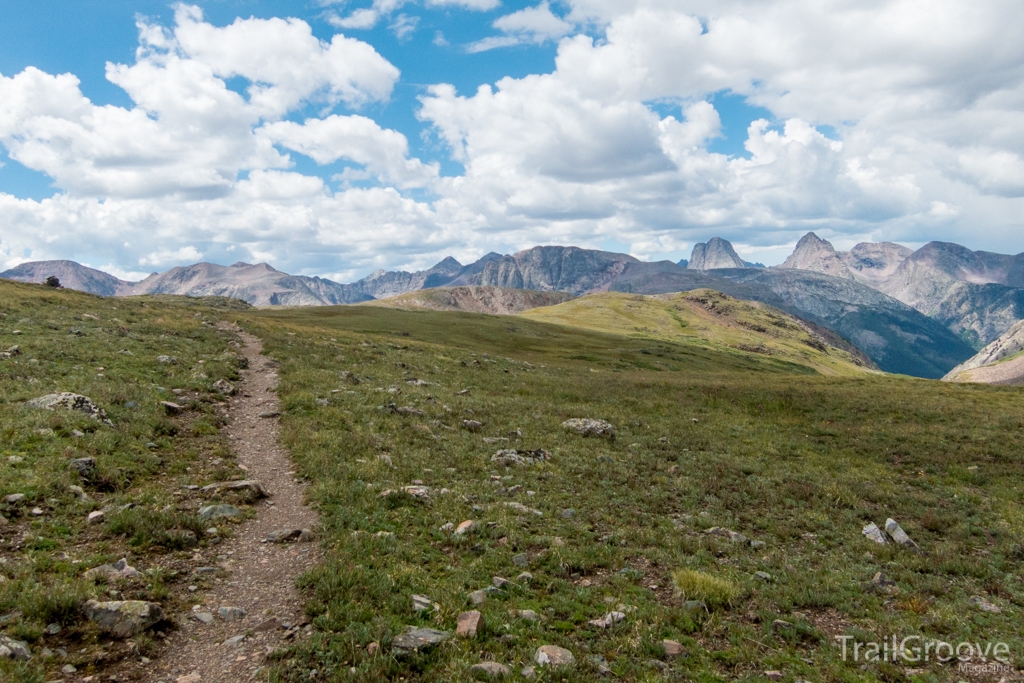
column 711, row 590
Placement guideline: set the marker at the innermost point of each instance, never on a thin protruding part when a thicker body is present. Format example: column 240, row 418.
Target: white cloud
column 162, row 258
column 359, row 19
column 478, row 5
column 530, row 25
column 404, row 26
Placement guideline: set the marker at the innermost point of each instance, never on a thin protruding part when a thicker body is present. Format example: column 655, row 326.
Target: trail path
column 260, row 577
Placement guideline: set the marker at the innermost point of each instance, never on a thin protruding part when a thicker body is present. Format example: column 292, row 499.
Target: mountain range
column 918, row 312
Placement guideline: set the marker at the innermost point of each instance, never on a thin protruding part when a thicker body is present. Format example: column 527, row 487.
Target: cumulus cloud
column 530, row 25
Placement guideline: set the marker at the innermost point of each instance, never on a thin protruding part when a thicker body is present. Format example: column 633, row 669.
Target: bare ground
column 256, row 576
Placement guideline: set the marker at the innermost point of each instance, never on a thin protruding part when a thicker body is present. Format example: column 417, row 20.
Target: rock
column 873, row 533
column 510, row 457
column 3, row 522
column 447, row 527
column 168, row 360
column 78, row 492
column 733, row 536
column 306, row 536
column 898, row 535
column 527, row 614
column 470, row 624
column 984, row 605
column 172, row 408
column 269, row 414
column 14, row 498
column 758, row 545
column 349, row 378
column 489, row 670
column 763, row 576
column 218, row 511
column 193, row 677
column 96, row 517
column 271, row 624
column 417, row 382
column 553, row 656
column 69, row 401
column 465, row 527
column 77, row 433
column 234, row 641
column 68, row 669
column 478, row 597
column 672, row 648
column 373, row 648
column 528, row 672
column 250, row 485
column 780, row 625
column 413, row 639
column 773, row 675
column 386, row 459
column 608, row 620
column 122, row 619
column 117, row 570
column 472, row 425
column 231, row 613
column 203, row 617
column 495, row 439
column 421, row 603
column 14, row 649
column 520, row 560
column 590, row 427
column 882, row 584
column 85, row 467
column 405, row 410
column 519, row 507
column 36, row 512
column 499, row 582
column 417, row 491
column 284, row 536
column 11, row 352
column 224, row 387
column 568, row 513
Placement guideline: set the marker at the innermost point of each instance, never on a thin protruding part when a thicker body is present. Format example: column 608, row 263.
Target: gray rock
column 14, row 649
column 984, row 605
column 231, row 613
column 672, row 648
column 519, row 507
column 250, row 485
column 224, row 387
column 168, row 360
column 763, row 576
column 472, row 425
column 489, row 670
column 499, row 582
column 78, row 492
column 527, row 614
column 218, row 511
column 733, row 536
column 525, row 577
column 899, row 535
column 780, row 625
column 590, row 427
column 528, row 672
column 568, row 513
column 172, row 408
column 110, row 572
column 233, row 641
column 470, row 624
column 204, row 617
column 269, row 414
column 14, row 498
column 478, row 597
column 123, row 619
column 873, row 533
column 601, row 663
column 413, row 639
column 553, row 656
column 520, row 560
column 421, row 603
column 511, row 458
column 608, row 620
column 11, row 352
column 882, row 584
column 69, row 401
column 85, row 467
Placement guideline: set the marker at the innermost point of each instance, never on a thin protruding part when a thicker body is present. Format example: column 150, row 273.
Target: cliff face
column 1001, row 362
column 716, row 253
column 566, row 269
column 815, row 254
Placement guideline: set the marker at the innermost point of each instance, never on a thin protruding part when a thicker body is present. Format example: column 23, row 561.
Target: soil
column 256, row 576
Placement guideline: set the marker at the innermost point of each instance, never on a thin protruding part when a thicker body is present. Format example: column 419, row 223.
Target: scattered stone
column 36, row 512
column 568, row 513
column 472, row 425
column 447, row 527
column 118, row 570
column 204, row 617
column 672, row 648
column 763, row 576
column 68, row 669
column 520, row 560
column 85, row 467
column 3, row 523
column 168, row 360
column 511, row 457
column 519, row 507
column 231, row 613
column 77, row 433
column 528, row 672
column 489, row 670
column 234, row 641
column 882, row 584
column 96, row 517
column 69, row 401
column 553, row 656
column 417, row 382
column 608, row 620
column 758, row 545
column 984, row 605
column 78, row 492
column 14, row 498
column 14, row 649
column 495, row 439
column 413, row 639
column 269, row 414
column 527, row 614
column 250, row 485
column 590, row 427
column 349, row 377
column 386, row 459
column 421, row 603
column 373, row 648
column 465, row 528
column 873, row 533
column 172, row 408
column 773, row 675
column 11, row 352
column 899, row 535
column 525, row 577
column 218, row 511
column 271, row 624
column 478, row 597
column 122, row 619
column 733, row 536
column 470, row 624
column 499, row 582
column 189, row 678
column 405, row 410
column 224, row 387
column 781, row 625
column 286, row 535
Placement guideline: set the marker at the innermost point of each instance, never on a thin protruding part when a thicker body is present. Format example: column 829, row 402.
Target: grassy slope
column 703, row 318
column 799, row 461
column 475, row 298
column 142, row 460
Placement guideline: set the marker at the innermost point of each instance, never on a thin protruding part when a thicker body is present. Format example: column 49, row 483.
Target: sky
column 338, row 137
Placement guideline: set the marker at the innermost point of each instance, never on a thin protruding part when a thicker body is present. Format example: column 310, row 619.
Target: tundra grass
column 107, row 350
column 706, row 438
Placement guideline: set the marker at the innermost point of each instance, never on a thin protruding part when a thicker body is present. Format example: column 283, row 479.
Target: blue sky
column 619, row 125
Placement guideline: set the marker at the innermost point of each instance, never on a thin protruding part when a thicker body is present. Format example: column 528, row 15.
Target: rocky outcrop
column 1001, row 362
column 566, row 269
column 874, row 262
column 717, row 253
column 818, row 255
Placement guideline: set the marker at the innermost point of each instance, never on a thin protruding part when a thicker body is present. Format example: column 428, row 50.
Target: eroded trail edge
column 255, row 576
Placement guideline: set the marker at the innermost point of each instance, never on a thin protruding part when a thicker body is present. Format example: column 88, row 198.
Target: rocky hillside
column 71, row 275
column 474, row 299
column 565, row 269
column 717, row 253
column 1001, row 362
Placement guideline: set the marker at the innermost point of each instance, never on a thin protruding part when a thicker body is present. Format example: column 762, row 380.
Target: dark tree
column 52, row 281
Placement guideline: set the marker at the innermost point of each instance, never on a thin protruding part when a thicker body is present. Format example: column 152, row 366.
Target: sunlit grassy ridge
column 706, row 437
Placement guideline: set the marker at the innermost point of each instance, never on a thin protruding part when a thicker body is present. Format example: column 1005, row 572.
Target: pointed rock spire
column 717, row 253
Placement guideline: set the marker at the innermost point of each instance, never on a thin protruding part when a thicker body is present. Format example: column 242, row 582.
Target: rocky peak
column 818, row 255
column 873, row 262
column 716, row 253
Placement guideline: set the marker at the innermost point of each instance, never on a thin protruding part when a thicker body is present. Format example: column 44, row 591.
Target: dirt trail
column 257, row 577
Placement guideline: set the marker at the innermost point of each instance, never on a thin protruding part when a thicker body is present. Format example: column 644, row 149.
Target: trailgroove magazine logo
column 915, row 649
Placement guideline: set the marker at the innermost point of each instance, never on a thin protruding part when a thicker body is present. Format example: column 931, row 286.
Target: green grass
column 706, row 437
column 711, row 590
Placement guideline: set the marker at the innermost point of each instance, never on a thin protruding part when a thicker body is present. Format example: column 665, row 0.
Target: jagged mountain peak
column 818, row 255
column 716, row 253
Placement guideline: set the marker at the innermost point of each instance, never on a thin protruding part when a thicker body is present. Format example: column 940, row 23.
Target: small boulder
column 590, row 427
column 873, row 533
column 465, row 528
column 478, row 597
column 898, row 535
column 69, row 401
column 231, row 613
column 672, row 648
column 248, row 485
column 269, row 414
column 882, row 584
column 520, row 560
column 553, row 656
column 11, row 352
column 203, row 617
column 349, row 378
column 489, row 670
column 470, row 624
column 172, row 408
column 984, row 605
column 519, row 507
column 780, row 626
column 14, row 498
column 773, row 675
column 608, row 620
column 118, row 570
column 85, row 467
column 413, row 639
column 472, row 425
column 527, row 614
column 218, row 511
column 509, row 457
column 96, row 517
column 224, row 387
column 762, row 576
column 167, row 360
column 421, row 603
column 123, row 619
column 14, row 649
